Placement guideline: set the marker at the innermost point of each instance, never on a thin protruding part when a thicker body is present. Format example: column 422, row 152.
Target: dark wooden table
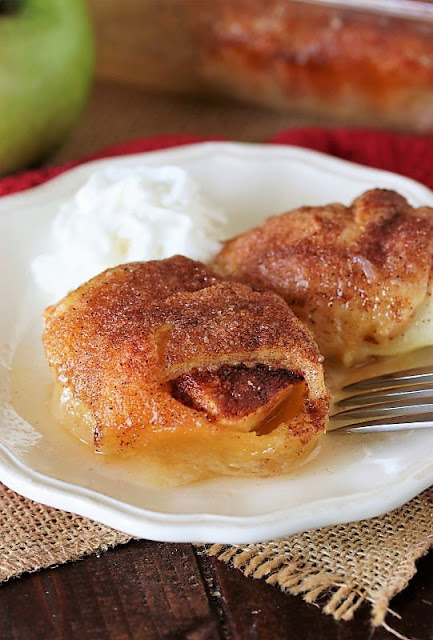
column 148, row 590
column 157, row 591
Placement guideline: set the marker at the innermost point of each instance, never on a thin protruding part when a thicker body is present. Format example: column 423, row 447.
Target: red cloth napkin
column 410, row 155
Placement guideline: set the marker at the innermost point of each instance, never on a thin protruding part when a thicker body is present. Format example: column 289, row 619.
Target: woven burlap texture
column 340, row 566
column 33, row 536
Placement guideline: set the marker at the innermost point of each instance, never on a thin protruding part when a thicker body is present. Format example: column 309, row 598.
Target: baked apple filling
column 239, row 397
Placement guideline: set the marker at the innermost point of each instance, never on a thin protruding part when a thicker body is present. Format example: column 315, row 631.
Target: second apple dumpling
column 359, row 276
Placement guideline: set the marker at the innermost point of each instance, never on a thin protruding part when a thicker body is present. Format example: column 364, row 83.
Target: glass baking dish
column 366, row 63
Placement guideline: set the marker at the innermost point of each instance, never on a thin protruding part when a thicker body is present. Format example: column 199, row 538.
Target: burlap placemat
column 345, row 565
column 34, row 536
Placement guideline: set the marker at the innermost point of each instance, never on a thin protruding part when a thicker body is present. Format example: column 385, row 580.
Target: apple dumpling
column 360, row 277
column 197, row 376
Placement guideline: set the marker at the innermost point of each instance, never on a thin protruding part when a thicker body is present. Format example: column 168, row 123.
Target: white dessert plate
column 347, row 478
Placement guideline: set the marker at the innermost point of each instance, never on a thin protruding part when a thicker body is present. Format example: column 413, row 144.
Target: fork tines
column 394, row 379
column 390, row 402
column 400, row 423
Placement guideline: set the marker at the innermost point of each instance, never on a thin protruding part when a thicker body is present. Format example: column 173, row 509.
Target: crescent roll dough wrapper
column 197, row 376
column 360, row 277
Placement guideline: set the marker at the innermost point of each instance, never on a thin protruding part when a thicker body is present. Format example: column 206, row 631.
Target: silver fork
column 394, row 401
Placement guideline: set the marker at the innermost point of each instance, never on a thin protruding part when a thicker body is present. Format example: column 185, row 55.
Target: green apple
column 46, row 63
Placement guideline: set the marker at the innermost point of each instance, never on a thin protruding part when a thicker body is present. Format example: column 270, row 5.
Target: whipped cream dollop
column 126, row 214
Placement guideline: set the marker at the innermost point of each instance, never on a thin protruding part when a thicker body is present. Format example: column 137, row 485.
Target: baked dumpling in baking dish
column 360, row 277
column 197, row 376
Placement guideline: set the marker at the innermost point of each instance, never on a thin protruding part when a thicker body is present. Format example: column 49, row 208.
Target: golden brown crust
column 119, row 341
column 356, row 275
